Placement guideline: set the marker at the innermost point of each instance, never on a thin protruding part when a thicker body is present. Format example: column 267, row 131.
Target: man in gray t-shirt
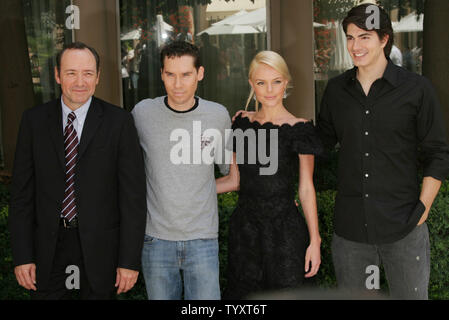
column 182, row 137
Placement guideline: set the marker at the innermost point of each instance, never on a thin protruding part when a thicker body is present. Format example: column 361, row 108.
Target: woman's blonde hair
column 273, row 60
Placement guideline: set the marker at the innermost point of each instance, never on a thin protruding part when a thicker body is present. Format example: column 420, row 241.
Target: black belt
column 63, row 222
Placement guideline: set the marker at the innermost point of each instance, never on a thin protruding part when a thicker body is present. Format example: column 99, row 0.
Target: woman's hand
column 242, row 112
column 313, row 257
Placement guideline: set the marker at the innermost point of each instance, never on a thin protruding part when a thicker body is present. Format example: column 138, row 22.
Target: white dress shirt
column 80, row 113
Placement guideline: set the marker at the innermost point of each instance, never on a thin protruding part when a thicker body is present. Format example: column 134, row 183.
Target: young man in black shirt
column 383, row 117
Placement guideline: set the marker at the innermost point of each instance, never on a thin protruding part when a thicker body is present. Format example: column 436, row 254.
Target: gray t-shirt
column 180, row 149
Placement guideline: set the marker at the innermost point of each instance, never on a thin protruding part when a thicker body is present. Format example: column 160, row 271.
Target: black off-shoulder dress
column 268, row 236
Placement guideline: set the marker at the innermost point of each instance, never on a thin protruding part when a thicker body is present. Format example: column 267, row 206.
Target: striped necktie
column 71, row 153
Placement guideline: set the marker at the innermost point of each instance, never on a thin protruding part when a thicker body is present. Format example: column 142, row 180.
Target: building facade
column 128, row 35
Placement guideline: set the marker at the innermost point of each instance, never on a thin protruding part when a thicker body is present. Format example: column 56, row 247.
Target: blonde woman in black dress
column 271, row 245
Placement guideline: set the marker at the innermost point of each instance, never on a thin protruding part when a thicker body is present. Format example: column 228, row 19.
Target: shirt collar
column 391, row 74
column 351, row 75
column 195, row 105
column 79, row 112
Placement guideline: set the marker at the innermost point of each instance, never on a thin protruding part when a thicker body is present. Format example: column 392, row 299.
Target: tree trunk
column 16, row 88
column 436, row 51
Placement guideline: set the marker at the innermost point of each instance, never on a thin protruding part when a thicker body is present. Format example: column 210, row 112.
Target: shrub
column 226, row 205
column 325, row 175
column 9, row 289
column 325, row 206
column 438, row 223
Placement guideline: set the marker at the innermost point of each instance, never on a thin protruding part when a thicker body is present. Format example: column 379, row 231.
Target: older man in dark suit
column 78, row 203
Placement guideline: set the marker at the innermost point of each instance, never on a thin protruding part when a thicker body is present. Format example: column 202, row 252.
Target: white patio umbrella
column 409, row 23
column 318, row 25
column 231, row 19
column 227, row 26
column 162, row 29
column 228, row 29
column 161, row 26
column 256, row 19
column 341, row 60
column 132, row 35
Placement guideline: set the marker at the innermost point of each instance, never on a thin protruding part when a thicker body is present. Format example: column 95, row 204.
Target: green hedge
column 438, row 223
column 9, row 289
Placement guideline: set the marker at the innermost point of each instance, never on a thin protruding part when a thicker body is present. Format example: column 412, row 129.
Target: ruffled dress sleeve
column 305, row 139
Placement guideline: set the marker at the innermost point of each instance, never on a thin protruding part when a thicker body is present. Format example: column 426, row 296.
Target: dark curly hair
column 179, row 49
column 358, row 16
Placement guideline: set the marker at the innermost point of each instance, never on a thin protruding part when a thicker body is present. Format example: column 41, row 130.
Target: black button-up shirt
column 381, row 137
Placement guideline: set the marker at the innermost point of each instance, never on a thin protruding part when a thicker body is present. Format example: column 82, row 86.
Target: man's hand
column 429, row 191
column 126, row 279
column 424, row 217
column 26, row 275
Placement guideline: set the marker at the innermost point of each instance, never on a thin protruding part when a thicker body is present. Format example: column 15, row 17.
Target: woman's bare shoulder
column 294, row 120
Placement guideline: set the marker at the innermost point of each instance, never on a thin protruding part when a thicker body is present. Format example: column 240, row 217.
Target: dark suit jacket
column 110, row 191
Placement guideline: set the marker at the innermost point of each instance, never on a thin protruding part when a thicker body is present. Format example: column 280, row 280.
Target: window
column 331, row 56
column 46, row 31
column 229, row 34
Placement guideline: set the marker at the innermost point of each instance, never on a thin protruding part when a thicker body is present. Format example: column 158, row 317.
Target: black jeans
column 68, row 253
column 406, row 263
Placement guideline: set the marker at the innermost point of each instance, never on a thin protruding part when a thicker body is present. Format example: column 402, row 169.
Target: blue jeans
column 163, row 262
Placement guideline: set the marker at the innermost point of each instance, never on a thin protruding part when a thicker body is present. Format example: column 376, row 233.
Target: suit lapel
column 56, row 133
column 93, row 120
